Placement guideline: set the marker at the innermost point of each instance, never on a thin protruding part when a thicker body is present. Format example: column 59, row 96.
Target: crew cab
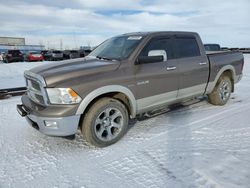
column 123, row 77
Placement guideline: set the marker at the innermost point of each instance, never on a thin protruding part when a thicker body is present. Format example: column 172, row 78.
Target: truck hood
column 62, row 71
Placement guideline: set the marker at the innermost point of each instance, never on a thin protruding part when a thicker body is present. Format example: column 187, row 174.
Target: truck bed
column 219, row 59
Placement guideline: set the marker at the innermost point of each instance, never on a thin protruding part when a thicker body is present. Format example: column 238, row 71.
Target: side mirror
column 158, row 53
column 154, row 56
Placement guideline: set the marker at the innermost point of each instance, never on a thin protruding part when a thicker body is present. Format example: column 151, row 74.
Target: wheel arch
column 226, row 70
column 121, row 93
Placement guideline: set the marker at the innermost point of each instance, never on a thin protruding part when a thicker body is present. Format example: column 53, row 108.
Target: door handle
column 171, row 68
column 203, row 63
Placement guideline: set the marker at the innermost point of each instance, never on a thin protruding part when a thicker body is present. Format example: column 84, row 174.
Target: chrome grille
column 35, row 85
column 35, row 89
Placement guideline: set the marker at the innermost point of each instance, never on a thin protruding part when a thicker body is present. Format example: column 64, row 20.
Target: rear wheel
column 105, row 122
column 221, row 92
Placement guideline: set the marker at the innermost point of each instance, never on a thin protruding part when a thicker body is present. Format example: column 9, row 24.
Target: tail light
column 20, row 54
column 10, row 55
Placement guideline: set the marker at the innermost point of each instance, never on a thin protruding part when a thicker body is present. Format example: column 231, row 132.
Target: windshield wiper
column 105, row 58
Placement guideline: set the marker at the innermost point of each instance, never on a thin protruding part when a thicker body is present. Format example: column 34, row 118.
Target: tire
column 222, row 91
column 105, row 122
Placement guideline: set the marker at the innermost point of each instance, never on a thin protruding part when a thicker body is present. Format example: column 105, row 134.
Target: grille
column 35, row 85
column 35, row 90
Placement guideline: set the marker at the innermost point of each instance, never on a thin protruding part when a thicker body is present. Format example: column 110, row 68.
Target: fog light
column 51, row 124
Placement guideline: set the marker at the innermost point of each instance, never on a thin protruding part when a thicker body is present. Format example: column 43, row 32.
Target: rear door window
column 186, row 47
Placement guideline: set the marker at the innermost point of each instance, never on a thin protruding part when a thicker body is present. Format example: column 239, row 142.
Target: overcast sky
column 89, row 22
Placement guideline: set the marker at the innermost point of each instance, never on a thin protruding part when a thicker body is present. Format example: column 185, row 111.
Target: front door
column 157, row 83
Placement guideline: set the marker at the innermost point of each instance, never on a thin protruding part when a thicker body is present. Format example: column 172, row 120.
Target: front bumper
column 54, row 121
column 63, row 126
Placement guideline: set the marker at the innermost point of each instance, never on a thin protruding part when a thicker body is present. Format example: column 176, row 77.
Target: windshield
column 117, row 48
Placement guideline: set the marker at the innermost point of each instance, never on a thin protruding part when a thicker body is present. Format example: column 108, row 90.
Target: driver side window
column 158, row 44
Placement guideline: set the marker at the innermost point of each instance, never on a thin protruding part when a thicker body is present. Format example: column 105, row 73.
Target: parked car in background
column 245, row 50
column 13, row 56
column 71, row 54
column 45, row 55
column 43, row 52
column 212, row 47
column 1, row 56
column 53, row 55
column 224, row 48
column 34, row 56
column 84, row 53
column 235, row 49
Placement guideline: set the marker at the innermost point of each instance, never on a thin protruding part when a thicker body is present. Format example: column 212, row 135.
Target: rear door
column 157, row 83
column 193, row 64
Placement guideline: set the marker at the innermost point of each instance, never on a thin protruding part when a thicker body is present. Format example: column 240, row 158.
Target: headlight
column 63, row 96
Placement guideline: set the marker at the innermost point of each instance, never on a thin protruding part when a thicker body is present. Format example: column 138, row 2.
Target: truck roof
column 147, row 33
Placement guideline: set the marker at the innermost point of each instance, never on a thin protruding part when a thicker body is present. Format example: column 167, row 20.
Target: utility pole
column 89, row 43
column 61, row 44
column 48, row 45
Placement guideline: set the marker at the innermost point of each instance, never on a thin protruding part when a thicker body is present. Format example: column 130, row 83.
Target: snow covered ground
column 199, row 145
column 11, row 75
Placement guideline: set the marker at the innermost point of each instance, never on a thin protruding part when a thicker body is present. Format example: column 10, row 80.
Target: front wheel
column 105, row 122
column 221, row 92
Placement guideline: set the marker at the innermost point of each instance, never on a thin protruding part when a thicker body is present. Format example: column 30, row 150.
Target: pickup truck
column 123, row 77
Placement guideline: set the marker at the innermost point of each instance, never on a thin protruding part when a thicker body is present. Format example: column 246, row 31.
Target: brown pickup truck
column 123, row 77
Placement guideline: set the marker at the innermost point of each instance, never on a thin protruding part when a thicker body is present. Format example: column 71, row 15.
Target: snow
column 11, row 75
column 198, row 145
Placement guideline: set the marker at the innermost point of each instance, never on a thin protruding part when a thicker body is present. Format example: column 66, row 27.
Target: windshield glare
column 117, row 48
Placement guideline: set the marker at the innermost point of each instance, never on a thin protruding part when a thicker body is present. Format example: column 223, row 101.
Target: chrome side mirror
column 158, row 53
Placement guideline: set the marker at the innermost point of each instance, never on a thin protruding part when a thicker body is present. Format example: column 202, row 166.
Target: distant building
column 23, row 48
column 12, row 43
